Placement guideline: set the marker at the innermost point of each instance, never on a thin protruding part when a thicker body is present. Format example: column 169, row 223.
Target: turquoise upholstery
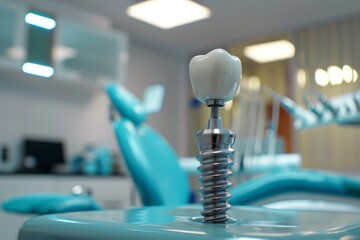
column 49, row 203
column 153, row 165
column 150, row 159
column 126, row 104
column 308, row 181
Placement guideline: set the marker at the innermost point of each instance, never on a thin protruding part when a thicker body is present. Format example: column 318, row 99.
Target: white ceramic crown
column 215, row 76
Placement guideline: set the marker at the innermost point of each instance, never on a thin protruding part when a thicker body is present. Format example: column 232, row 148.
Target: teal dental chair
column 150, row 160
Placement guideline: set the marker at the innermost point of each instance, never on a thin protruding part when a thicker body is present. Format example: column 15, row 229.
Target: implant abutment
column 215, row 121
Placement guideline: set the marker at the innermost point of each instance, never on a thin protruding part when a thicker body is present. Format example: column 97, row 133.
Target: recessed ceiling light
column 167, row 14
column 270, row 51
column 40, row 21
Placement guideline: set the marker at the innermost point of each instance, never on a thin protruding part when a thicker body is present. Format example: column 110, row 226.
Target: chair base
column 178, row 223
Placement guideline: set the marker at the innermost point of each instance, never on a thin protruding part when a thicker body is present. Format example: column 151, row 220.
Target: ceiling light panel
column 270, row 51
column 167, row 14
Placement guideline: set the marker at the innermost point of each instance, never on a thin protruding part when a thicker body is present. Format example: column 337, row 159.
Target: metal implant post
column 215, row 144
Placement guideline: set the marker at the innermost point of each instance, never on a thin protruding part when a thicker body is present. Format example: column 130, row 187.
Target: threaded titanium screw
column 215, row 151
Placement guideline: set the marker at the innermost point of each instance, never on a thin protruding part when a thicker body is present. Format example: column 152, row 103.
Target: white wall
column 149, row 66
column 32, row 107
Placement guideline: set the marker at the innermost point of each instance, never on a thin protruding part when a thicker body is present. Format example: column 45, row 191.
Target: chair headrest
column 127, row 104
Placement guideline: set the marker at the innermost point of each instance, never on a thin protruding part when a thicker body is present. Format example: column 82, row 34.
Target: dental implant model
column 215, row 79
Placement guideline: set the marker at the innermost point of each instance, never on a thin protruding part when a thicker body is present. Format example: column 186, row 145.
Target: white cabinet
column 89, row 54
column 73, row 51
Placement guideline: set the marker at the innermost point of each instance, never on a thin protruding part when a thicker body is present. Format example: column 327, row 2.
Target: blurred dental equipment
column 342, row 110
column 258, row 147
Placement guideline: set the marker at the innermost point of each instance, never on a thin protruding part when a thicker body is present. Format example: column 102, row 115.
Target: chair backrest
column 150, row 159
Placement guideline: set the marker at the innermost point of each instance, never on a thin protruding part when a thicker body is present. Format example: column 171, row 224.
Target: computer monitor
column 40, row 155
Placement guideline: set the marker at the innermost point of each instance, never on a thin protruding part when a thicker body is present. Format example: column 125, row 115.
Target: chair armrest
column 280, row 182
column 49, row 203
column 265, row 163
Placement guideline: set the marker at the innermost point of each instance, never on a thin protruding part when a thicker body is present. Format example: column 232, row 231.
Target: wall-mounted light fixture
column 38, row 69
column 301, row 78
column 40, row 21
column 270, row 51
column 39, row 52
column 335, row 75
column 167, row 14
column 321, row 77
